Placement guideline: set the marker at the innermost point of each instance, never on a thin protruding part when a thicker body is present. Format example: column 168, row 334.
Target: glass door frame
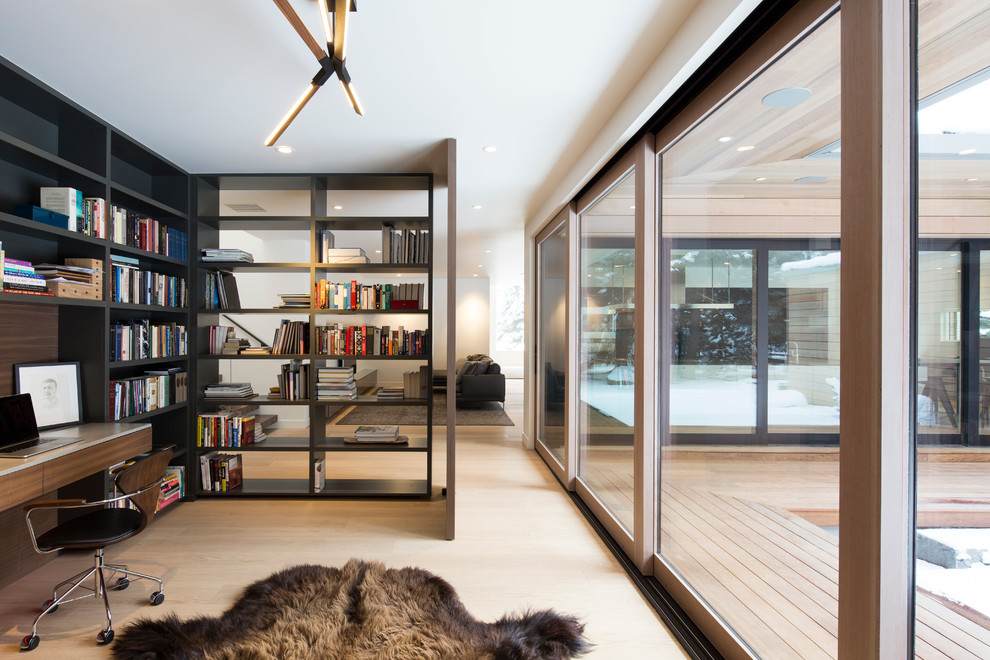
column 761, row 248
column 565, row 470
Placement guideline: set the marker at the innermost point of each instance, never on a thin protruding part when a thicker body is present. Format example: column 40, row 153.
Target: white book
column 67, row 201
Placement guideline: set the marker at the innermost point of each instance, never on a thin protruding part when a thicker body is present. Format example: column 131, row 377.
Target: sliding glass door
column 606, row 401
column 552, row 328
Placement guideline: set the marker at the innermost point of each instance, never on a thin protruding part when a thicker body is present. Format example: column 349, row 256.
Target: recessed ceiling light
column 811, row 179
column 338, row 207
column 378, row 251
column 477, row 207
column 488, row 251
column 284, row 149
column 490, row 149
column 975, row 178
column 475, row 275
column 748, row 147
column 632, row 206
column 725, row 138
column 480, row 266
column 760, row 178
column 787, row 97
column 966, row 152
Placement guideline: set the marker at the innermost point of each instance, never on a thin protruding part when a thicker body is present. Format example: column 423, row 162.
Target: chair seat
column 93, row 530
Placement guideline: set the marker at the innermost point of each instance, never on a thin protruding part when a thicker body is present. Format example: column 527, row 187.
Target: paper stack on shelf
column 225, row 254
column 294, row 300
column 377, row 433
column 345, row 256
column 228, row 391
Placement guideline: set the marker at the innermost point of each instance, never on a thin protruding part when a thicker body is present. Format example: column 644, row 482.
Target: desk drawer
column 21, row 486
column 85, row 462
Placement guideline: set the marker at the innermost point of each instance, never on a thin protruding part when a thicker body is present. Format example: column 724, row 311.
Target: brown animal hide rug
column 361, row 611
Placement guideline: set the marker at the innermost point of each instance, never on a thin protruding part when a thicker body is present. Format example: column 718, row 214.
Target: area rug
column 361, row 611
column 477, row 414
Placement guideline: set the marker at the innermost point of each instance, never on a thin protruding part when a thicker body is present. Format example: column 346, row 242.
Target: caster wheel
column 30, row 643
column 48, row 603
column 105, row 636
column 157, row 598
column 122, row 583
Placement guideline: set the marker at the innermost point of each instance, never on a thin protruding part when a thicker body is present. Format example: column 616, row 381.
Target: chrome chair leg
column 53, row 604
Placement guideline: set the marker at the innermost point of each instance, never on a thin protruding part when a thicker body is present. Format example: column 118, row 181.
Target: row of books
column 130, row 284
column 416, row 384
column 225, row 254
column 291, row 338
column 293, row 382
column 154, row 390
column 220, row 473
column 135, row 230
column 335, row 384
column 174, row 486
column 144, row 339
column 221, row 340
column 405, row 246
column 86, row 215
column 220, row 291
column 354, row 295
column 225, row 429
column 338, row 339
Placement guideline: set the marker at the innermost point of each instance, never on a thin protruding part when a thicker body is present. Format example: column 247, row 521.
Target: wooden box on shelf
column 76, row 290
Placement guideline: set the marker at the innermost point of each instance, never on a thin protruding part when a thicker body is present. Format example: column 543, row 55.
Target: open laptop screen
column 17, row 421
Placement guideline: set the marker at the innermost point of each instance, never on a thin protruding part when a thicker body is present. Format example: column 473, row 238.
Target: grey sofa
column 479, row 379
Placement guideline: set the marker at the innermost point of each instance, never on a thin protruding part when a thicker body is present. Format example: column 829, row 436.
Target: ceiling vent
column 245, row 208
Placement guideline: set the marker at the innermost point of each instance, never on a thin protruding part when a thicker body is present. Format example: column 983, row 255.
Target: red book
column 354, row 294
column 364, row 340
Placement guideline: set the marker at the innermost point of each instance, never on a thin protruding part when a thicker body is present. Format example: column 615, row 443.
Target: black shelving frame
column 208, row 223
column 48, row 140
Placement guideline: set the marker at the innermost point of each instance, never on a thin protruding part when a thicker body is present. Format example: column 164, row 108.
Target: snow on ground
column 713, row 403
column 970, row 586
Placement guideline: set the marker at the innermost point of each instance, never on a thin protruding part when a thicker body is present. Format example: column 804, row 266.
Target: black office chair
column 110, row 521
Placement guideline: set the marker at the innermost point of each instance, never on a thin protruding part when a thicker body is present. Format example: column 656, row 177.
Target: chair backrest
column 146, row 470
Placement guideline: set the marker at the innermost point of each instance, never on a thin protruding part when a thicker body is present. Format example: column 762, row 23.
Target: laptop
column 19, row 429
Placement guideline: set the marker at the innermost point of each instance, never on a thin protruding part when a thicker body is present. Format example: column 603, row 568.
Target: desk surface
column 92, row 434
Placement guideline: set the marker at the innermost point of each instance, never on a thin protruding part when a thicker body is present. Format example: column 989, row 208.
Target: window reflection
column 606, row 413
column 553, row 341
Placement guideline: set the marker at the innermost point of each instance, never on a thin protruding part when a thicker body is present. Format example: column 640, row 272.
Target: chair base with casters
column 103, row 525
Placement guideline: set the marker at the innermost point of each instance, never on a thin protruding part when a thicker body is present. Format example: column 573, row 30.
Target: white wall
column 473, row 319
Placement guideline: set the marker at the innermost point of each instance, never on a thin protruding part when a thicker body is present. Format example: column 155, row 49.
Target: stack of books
column 335, row 384
column 228, row 391
column 19, row 277
column 378, row 433
column 256, row 350
column 225, row 254
column 345, row 256
column 389, row 393
column 294, row 301
column 174, row 486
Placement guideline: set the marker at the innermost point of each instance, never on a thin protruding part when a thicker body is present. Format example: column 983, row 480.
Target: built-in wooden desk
column 26, row 479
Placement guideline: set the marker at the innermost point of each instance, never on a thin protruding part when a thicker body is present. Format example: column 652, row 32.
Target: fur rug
column 361, row 611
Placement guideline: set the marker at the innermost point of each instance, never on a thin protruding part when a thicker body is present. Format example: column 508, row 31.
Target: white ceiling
column 203, row 82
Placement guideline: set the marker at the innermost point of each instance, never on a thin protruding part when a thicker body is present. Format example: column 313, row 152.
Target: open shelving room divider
column 280, row 220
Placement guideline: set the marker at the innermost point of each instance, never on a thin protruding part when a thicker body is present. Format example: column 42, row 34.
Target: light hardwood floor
column 520, row 544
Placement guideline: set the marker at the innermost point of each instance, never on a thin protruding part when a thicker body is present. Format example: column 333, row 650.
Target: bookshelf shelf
column 154, row 413
column 47, row 141
column 295, row 253
column 123, row 364
column 276, row 443
column 257, row 399
column 339, row 444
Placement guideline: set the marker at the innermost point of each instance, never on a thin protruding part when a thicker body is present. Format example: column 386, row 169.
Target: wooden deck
column 774, row 578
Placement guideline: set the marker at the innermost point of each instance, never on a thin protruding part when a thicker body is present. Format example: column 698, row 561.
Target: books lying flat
column 398, row 440
column 345, row 256
column 389, row 393
column 225, row 254
column 379, row 431
column 228, row 391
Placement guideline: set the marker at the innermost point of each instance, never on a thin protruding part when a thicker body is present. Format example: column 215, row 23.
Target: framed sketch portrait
column 54, row 390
